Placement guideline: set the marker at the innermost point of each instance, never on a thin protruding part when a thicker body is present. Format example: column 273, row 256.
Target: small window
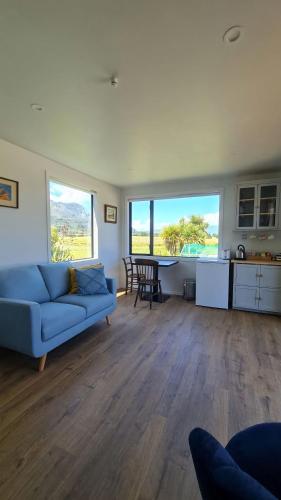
column 71, row 223
column 178, row 227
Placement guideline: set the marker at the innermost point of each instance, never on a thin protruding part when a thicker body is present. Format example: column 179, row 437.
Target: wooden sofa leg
column 108, row 320
column 42, row 362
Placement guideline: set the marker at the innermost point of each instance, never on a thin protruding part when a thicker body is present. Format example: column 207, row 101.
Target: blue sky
column 66, row 194
column 169, row 211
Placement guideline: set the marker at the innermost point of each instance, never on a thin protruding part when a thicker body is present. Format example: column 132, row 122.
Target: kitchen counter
column 257, row 262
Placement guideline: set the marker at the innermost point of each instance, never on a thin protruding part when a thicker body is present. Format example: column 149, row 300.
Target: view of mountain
column 69, row 218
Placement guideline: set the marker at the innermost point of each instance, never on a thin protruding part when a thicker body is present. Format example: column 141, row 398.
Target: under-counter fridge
column 212, row 283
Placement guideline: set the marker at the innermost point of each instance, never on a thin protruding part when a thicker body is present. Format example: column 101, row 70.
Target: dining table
column 163, row 264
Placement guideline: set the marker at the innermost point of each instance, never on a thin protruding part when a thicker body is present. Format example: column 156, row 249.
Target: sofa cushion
column 56, row 277
column 218, row 474
column 25, row 283
column 257, row 452
column 72, row 274
column 92, row 303
column 91, row 281
column 56, row 318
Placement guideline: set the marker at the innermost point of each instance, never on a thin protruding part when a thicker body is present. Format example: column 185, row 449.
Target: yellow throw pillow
column 72, row 274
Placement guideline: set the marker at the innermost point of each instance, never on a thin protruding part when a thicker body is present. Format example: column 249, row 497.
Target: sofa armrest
column 111, row 285
column 20, row 325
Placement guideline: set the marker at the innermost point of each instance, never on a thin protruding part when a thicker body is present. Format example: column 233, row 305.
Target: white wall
column 24, row 232
column 172, row 279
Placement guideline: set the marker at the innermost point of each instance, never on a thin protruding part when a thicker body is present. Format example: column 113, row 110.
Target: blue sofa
column 37, row 313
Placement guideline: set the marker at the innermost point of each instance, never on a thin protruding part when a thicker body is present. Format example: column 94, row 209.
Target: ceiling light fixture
column 232, row 34
column 37, row 107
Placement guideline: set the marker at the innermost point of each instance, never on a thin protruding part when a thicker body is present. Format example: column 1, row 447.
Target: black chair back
column 147, row 269
column 128, row 265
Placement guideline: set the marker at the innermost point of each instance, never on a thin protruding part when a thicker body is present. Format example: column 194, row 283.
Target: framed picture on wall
column 110, row 214
column 9, row 193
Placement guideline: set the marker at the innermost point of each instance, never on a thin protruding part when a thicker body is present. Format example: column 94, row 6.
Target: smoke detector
column 233, row 34
column 37, row 107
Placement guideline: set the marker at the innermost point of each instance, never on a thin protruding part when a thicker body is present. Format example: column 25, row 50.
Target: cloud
column 67, row 194
column 212, row 218
column 139, row 225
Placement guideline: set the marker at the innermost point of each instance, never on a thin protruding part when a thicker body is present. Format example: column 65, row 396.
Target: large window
column 71, row 221
column 184, row 226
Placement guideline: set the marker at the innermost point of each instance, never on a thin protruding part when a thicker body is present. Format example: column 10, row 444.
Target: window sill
column 171, row 257
column 84, row 261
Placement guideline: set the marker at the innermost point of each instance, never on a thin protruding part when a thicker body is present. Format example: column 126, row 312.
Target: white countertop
column 258, row 261
column 210, row 260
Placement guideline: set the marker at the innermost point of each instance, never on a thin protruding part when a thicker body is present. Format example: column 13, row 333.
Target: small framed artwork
column 110, row 214
column 9, row 193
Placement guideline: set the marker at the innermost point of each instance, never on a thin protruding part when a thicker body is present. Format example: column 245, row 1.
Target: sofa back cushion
column 24, row 283
column 56, row 277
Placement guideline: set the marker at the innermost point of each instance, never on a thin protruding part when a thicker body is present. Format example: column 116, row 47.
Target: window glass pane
column 187, row 227
column 247, row 193
column 141, row 227
column 269, row 191
column 267, row 220
column 246, row 221
column 268, row 206
column 246, row 207
column 71, row 223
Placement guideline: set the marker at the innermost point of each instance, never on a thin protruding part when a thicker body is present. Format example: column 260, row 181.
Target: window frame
column 217, row 192
column 93, row 224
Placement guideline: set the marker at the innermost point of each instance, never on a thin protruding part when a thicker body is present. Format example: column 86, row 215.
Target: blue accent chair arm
column 111, row 285
column 20, row 325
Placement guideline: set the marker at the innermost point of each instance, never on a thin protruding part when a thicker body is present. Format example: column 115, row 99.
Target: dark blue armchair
column 248, row 468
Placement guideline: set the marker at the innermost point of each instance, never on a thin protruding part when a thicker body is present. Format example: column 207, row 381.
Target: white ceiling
column 188, row 105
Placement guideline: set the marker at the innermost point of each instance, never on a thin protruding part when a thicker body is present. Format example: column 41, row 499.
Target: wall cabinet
column 257, row 287
column 257, row 206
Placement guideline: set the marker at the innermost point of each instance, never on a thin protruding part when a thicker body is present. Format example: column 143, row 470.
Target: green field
column 78, row 246
column 140, row 245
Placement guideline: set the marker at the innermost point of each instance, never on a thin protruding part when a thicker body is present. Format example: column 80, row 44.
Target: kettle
column 241, row 252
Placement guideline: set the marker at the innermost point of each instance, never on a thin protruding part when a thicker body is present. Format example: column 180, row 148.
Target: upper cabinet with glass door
column 247, row 201
column 257, row 206
column 268, row 206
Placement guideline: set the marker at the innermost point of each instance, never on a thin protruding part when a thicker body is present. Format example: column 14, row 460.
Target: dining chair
column 131, row 276
column 148, row 282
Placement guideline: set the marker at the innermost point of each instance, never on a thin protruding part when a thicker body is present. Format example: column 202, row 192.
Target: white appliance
column 212, row 283
column 225, row 254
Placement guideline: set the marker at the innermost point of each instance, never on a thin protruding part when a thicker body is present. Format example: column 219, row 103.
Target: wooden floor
column 110, row 416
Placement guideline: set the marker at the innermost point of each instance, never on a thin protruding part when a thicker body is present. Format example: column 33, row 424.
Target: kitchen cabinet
column 257, row 287
column 270, row 300
column 245, row 297
column 270, row 276
column 257, row 206
column 246, row 274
